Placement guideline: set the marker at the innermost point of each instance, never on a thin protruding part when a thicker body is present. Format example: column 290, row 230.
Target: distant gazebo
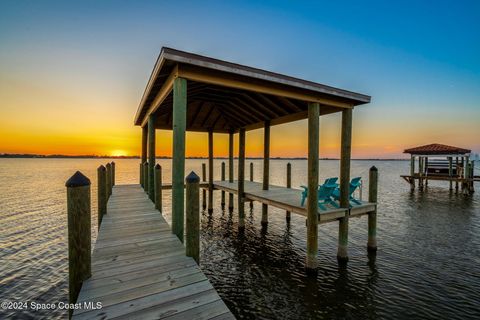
column 441, row 162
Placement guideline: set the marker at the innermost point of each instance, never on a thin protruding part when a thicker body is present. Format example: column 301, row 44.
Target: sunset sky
column 72, row 74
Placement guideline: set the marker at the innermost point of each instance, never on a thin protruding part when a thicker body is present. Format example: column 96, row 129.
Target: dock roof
column 437, row 149
column 224, row 96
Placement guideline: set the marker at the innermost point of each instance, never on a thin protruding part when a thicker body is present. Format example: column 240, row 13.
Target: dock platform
column 289, row 199
column 139, row 268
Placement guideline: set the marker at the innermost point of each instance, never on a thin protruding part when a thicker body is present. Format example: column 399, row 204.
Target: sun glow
column 118, row 153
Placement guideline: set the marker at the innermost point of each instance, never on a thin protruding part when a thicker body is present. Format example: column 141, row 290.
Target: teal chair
column 354, row 184
column 324, row 192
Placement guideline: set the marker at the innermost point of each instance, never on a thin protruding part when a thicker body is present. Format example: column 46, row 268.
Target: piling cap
column 113, row 163
column 101, row 168
column 109, row 164
column 192, row 178
column 77, row 180
column 157, row 166
column 373, row 168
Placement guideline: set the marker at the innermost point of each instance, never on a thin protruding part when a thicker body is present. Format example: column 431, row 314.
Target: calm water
column 427, row 265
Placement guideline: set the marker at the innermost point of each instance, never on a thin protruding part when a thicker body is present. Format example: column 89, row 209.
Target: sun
column 118, row 153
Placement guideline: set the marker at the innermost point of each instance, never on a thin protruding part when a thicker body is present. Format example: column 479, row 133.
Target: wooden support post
column 472, row 176
column 241, row 178
column 266, row 169
column 420, row 172
column 230, row 168
column 223, row 179
column 178, row 155
column 346, row 144
column 372, row 216
column 210, row 171
column 289, row 185
column 151, row 157
column 108, row 177
column 113, row 173
column 204, row 191
column 101, row 194
column 141, row 174
column 251, row 179
column 192, row 241
column 144, row 153
column 456, row 173
column 312, row 197
column 158, row 187
column 145, row 176
column 79, row 233
column 412, row 172
column 425, row 170
column 450, row 171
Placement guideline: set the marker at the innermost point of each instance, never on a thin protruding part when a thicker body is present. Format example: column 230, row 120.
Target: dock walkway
column 139, row 268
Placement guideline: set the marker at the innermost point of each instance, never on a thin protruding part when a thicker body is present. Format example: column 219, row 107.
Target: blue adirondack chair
column 329, row 185
column 354, row 184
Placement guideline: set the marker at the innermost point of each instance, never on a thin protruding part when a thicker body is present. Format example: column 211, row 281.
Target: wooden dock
column 139, row 268
column 289, row 199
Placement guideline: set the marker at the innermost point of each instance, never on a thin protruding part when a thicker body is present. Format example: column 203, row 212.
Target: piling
column 450, row 171
column 345, row 155
column 101, row 193
column 192, row 228
column 289, row 185
column 141, row 174
column 266, row 169
column 113, row 173
column 230, row 168
column 412, row 172
column 204, row 192
column 158, row 187
column 312, row 198
column 456, row 175
column 210, row 171
column 251, row 179
column 79, row 237
column 223, row 179
column 144, row 151
column 109, row 179
column 151, row 157
column 241, row 179
column 372, row 216
column 145, row 176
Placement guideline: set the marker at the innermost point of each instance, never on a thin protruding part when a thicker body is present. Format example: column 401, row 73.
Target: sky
column 72, row 73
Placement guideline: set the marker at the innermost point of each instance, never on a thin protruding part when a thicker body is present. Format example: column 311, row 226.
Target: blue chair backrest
column 356, row 182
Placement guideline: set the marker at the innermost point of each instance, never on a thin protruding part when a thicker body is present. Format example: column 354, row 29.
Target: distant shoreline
column 60, row 156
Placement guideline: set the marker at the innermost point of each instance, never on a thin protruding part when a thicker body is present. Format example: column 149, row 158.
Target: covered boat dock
column 190, row 92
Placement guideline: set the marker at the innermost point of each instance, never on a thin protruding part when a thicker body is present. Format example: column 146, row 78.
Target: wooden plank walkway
column 139, row 268
column 289, row 199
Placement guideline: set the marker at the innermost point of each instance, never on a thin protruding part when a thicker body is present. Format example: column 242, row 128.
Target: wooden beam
column 210, row 171
column 207, row 115
column 288, row 103
column 270, row 113
column 312, row 201
column 271, row 105
column 266, row 169
column 252, row 111
column 241, row 179
column 345, row 155
column 232, row 81
column 161, row 95
column 151, row 157
column 178, row 155
column 195, row 115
